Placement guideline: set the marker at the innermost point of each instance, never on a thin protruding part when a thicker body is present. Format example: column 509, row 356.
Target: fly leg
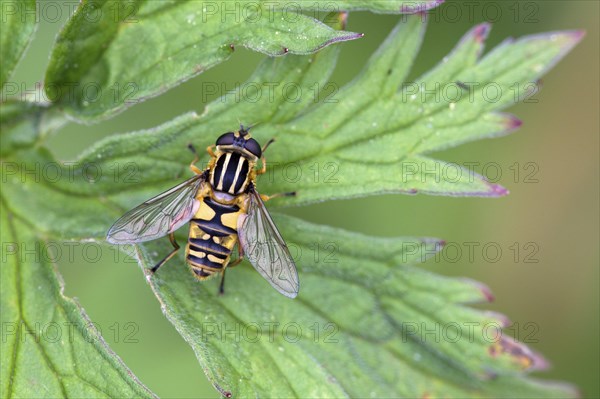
column 210, row 150
column 267, row 145
column 265, row 197
column 193, row 167
column 169, row 256
column 232, row 264
column 263, row 159
column 222, row 285
column 263, row 170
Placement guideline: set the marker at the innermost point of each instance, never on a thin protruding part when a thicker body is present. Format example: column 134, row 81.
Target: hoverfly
column 224, row 209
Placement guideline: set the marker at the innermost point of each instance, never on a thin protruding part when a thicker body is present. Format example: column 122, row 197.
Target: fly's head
column 241, row 142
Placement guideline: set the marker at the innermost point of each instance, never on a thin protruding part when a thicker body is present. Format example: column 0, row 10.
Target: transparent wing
column 264, row 247
column 158, row 216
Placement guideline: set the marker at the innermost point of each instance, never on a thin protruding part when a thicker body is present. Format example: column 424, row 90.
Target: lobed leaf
column 252, row 341
column 376, row 130
column 363, row 290
column 358, row 328
column 99, row 67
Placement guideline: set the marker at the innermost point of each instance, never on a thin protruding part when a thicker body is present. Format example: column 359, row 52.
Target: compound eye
column 226, row 139
column 253, row 146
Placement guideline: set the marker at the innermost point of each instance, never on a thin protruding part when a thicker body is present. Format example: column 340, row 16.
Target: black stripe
column 214, row 228
column 207, row 252
column 208, row 246
column 242, row 177
column 202, row 273
column 204, row 262
column 220, row 209
column 203, row 250
column 217, row 171
column 229, row 176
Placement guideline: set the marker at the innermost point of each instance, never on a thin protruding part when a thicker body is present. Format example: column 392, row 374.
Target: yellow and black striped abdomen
column 212, row 237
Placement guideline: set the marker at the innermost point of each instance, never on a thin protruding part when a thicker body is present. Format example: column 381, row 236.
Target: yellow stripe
column 197, row 254
column 222, row 177
column 214, row 259
column 247, row 175
column 237, row 175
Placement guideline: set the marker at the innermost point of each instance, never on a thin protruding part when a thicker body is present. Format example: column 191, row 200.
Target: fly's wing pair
column 158, row 216
column 262, row 244
column 264, row 247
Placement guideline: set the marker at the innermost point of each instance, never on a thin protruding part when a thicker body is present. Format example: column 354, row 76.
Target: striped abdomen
column 230, row 173
column 212, row 237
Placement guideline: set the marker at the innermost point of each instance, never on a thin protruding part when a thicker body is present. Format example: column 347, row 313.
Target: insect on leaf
column 355, row 329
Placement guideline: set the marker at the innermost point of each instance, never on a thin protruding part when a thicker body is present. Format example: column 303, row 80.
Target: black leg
column 232, row 264
column 222, row 286
column 169, row 256
column 267, row 145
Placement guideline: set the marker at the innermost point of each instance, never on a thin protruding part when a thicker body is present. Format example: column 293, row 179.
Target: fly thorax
column 230, row 173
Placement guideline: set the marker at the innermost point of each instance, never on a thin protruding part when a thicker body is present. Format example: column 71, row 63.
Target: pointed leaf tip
column 500, row 317
column 571, row 39
column 576, row 35
column 482, row 31
column 496, row 190
column 485, row 291
column 513, row 123
column 567, row 39
column 519, row 353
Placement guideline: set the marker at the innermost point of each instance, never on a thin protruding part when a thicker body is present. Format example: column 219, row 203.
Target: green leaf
column 49, row 346
column 344, row 342
column 377, row 130
column 99, row 66
column 358, row 327
column 18, row 25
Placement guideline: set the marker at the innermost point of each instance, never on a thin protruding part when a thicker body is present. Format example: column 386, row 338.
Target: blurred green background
column 554, row 302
